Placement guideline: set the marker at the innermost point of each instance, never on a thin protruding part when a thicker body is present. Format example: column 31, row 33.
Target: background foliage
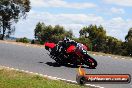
column 93, row 36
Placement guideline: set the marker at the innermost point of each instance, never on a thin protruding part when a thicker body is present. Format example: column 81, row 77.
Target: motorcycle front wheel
column 91, row 63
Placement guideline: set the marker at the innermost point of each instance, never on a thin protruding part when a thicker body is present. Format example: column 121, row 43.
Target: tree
column 38, row 30
column 97, row 35
column 124, row 49
column 11, row 11
column 113, row 45
column 49, row 33
column 128, row 39
column 99, row 41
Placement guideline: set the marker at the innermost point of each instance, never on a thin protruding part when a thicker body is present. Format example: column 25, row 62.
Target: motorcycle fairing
column 71, row 49
column 50, row 45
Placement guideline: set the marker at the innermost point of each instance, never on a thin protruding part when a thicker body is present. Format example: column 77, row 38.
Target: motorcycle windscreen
column 50, row 45
column 71, row 49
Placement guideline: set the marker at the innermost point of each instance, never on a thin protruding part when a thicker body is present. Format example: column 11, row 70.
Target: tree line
column 92, row 36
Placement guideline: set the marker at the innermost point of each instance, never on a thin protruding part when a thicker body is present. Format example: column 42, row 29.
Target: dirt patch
column 23, row 44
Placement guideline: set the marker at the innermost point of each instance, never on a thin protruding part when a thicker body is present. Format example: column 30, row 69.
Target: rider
column 67, row 42
column 63, row 45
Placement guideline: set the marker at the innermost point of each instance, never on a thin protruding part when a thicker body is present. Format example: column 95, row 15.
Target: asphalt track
column 37, row 60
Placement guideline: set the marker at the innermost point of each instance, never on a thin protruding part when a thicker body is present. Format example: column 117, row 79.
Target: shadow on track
column 54, row 64
column 40, row 62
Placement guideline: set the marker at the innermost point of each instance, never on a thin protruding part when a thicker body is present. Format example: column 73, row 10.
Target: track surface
column 37, row 60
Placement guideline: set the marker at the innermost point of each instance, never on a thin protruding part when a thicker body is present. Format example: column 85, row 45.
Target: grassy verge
column 112, row 55
column 17, row 79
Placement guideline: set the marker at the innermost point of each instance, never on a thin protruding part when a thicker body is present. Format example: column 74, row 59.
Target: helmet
column 66, row 39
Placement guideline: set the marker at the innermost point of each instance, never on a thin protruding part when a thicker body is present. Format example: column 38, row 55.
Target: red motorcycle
column 72, row 54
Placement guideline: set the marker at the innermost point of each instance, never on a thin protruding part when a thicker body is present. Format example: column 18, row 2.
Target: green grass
column 17, row 79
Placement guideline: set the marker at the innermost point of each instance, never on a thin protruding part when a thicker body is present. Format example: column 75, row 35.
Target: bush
column 33, row 41
column 24, row 40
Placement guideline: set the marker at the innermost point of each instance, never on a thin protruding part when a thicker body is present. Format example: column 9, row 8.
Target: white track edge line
column 50, row 77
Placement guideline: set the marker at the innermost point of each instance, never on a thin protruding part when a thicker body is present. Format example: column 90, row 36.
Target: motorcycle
column 73, row 54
